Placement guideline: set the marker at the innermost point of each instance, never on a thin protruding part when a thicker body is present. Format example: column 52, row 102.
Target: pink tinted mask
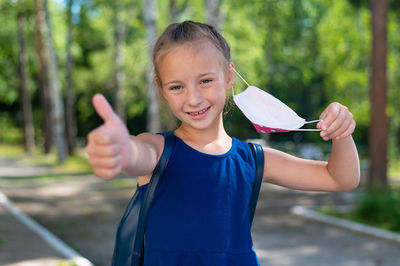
column 267, row 113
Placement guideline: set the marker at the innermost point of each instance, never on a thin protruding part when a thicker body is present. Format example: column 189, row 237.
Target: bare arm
column 146, row 150
column 340, row 173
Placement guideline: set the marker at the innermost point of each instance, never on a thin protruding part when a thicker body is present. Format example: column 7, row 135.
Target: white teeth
column 199, row 112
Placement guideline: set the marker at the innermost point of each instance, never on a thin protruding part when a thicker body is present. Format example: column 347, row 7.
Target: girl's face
column 194, row 81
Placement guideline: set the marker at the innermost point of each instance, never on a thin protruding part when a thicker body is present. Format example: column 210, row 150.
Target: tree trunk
column 56, row 103
column 119, row 75
column 213, row 13
column 69, row 90
column 176, row 10
column 173, row 11
column 153, row 117
column 43, row 83
column 25, row 98
column 378, row 130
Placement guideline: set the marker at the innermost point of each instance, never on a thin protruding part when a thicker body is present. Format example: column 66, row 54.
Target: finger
column 102, row 136
column 341, row 127
column 341, row 123
column 323, row 115
column 329, row 115
column 348, row 131
column 106, row 173
column 105, row 151
column 104, row 109
column 108, row 163
column 337, row 122
column 319, row 124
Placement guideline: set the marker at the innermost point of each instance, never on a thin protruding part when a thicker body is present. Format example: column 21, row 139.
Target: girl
column 200, row 212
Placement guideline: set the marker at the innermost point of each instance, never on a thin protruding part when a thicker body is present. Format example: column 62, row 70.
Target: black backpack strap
column 149, row 194
column 258, row 154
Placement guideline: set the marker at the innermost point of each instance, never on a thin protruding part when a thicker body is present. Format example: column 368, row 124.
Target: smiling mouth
column 199, row 112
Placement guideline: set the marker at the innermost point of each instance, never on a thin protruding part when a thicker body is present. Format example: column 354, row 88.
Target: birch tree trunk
column 24, row 95
column 153, row 117
column 119, row 75
column 175, row 10
column 378, row 129
column 56, row 103
column 43, row 82
column 213, row 13
column 69, row 90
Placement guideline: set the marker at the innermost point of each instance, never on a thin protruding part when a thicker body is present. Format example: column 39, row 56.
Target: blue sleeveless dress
column 200, row 212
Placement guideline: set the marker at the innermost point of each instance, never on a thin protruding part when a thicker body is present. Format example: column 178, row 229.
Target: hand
column 336, row 122
column 108, row 146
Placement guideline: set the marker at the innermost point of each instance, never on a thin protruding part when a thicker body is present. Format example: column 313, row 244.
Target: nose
column 194, row 96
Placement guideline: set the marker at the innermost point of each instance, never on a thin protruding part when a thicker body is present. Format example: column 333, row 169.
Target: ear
column 157, row 81
column 231, row 76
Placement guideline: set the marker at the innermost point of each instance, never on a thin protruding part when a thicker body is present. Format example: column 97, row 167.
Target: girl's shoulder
column 156, row 144
column 155, row 141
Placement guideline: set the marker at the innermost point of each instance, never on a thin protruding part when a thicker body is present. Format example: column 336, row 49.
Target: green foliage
column 378, row 207
column 344, row 49
column 8, row 57
column 393, row 4
column 9, row 132
column 307, row 53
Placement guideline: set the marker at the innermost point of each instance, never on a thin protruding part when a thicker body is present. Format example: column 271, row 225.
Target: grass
column 11, row 151
column 77, row 163
column 121, row 183
column 67, row 263
column 394, row 170
column 373, row 207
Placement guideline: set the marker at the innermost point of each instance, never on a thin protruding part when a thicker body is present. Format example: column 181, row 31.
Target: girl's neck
column 213, row 140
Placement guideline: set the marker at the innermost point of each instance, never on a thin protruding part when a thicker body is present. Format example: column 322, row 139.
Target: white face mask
column 267, row 113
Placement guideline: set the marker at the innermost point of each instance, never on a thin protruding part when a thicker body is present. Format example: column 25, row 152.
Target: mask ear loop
column 313, row 121
column 308, row 129
column 237, row 73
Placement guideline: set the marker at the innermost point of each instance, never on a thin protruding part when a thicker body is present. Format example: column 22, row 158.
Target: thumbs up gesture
column 108, row 146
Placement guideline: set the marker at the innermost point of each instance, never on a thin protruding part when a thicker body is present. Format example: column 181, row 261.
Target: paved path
column 280, row 238
column 19, row 245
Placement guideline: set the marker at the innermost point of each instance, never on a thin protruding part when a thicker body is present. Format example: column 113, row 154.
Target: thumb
column 104, row 109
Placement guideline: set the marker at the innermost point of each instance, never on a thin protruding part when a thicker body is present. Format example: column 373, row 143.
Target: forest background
column 55, row 55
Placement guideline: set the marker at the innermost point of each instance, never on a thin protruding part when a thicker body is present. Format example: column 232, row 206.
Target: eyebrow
column 199, row 76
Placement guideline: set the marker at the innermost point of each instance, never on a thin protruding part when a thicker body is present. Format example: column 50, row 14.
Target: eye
column 174, row 88
column 205, row 81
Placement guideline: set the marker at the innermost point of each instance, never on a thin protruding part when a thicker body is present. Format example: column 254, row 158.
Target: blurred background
column 55, row 55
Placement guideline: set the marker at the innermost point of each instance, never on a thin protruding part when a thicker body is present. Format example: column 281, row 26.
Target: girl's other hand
column 108, row 146
column 336, row 122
